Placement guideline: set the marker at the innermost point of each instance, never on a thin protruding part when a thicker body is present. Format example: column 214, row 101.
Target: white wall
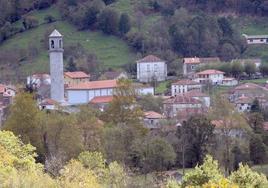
column 147, row 71
column 180, row 89
column 257, row 41
column 145, row 91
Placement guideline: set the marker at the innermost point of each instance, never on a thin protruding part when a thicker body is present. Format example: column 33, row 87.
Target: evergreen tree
column 257, row 150
column 124, row 24
column 71, row 66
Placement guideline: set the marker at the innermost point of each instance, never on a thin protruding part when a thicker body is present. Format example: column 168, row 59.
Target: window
column 60, row 43
column 192, row 67
column 155, row 68
column 261, row 40
column 52, row 44
column 148, row 68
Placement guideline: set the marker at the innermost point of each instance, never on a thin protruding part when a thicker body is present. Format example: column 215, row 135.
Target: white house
column 143, row 89
column 243, row 104
column 229, row 82
column 183, row 86
column 101, row 102
column 36, row 80
column 48, row 104
column 212, row 76
column 151, row 68
column 84, row 92
column 256, row 39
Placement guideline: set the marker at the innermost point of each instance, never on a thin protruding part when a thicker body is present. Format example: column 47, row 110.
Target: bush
column 49, row 19
column 29, row 22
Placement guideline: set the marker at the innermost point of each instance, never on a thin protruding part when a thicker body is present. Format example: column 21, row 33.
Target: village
column 187, row 96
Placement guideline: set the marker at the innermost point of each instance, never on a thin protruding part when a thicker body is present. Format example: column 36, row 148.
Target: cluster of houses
column 187, row 98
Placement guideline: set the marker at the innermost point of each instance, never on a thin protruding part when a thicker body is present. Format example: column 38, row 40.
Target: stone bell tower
column 56, row 66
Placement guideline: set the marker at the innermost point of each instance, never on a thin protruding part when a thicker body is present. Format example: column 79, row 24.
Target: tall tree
column 108, row 21
column 124, row 24
column 198, row 134
column 250, row 68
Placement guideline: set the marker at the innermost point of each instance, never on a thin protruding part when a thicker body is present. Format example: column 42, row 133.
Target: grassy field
column 110, row 51
column 256, row 81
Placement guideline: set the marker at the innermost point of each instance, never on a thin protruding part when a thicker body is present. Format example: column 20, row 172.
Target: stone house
column 72, row 78
column 183, row 86
column 152, row 120
column 243, row 104
column 180, row 103
column 151, row 68
column 215, row 77
column 198, row 95
column 190, row 65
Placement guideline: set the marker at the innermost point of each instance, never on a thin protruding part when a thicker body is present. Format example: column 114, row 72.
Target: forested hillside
column 103, row 34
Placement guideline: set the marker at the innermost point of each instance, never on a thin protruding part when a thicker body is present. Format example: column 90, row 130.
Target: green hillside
column 110, row 51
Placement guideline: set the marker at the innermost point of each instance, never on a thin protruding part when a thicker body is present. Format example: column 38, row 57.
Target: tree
column 264, row 69
column 237, row 69
column 108, row 21
column 75, row 174
column 245, row 177
column 29, row 22
column 209, row 171
column 153, row 154
column 124, row 24
column 256, row 122
column 151, row 103
column 108, row 2
column 196, row 133
column 226, row 27
column 257, row 150
column 71, row 65
column 255, row 107
column 26, row 120
column 123, row 108
column 227, row 52
column 250, row 68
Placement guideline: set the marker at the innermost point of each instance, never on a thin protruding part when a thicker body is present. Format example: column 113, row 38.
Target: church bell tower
column 56, row 66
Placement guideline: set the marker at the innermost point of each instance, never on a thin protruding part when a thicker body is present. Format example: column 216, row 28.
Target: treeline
column 253, row 7
column 14, row 10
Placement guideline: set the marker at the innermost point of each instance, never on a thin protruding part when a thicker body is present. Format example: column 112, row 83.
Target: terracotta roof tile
column 195, row 93
column 182, row 99
column 153, row 115
column 94, row 85
column 185, row 82
column 210, row 71
column 101, row 99
column 77, row 74
column 48, row 102
column 150, row 58
column 244, row 100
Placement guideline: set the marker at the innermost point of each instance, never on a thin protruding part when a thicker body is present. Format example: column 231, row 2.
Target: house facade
column 229, row 82
column 183, row 86
column 101, row 102
column 151, row 68
column 190, row 65
column 243, row 104
column 198, row 95
column 180, row 103
column 215, row 77
column 256, row 39
column 73, row 78
column 84, row 92
column 152, row 120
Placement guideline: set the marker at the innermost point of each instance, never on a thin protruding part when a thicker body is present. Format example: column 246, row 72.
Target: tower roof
column 55, row 33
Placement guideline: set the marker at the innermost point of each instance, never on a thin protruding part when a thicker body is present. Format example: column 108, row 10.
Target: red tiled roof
column 185, row 82
column 244, row 100
column 217, row 123
column 195, row 93
column 182, row 99
column 153, row 115
column 247, row 86
column 94, row 85
column 48, row 102
column 150, row 58
column 77, row 74
column 101, row 99
column 210, row 71
column 2, row 88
